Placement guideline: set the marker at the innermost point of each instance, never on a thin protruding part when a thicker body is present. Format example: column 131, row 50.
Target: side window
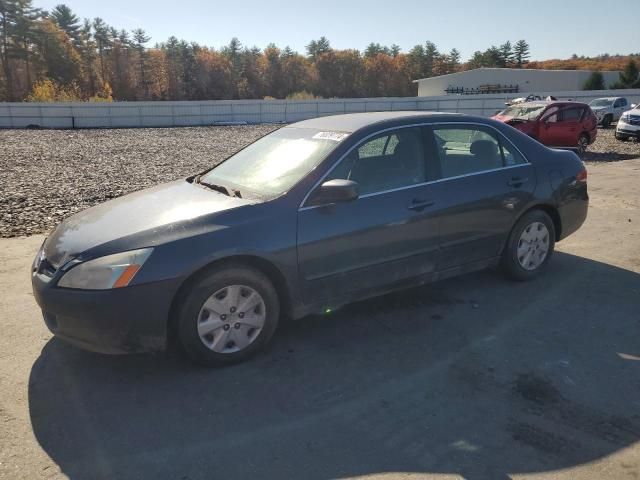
column 468, row 150
column 572, row 115
column 618, row 103
column 511, row 155
column 551, row 115
column 623, row 102
column 390, row 160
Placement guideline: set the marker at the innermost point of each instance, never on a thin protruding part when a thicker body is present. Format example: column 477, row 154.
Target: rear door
column 484, row 183
column 385, row 236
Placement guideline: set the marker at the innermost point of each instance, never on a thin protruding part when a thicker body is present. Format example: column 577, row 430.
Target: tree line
column 53, row 55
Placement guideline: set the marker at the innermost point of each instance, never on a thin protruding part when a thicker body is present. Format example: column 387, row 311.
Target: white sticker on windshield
column 335, row 136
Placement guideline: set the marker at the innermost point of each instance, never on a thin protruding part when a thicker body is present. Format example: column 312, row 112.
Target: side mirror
column 334, row 191
column 634, row 105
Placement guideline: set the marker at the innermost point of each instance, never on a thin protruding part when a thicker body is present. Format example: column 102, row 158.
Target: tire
column 215, row 328
column 606, row 121
column 583, row 143
column 522, row 241
column 622, row 138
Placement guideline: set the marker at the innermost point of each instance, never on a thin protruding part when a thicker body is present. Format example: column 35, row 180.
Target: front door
column 385, row 236
column 562, row 128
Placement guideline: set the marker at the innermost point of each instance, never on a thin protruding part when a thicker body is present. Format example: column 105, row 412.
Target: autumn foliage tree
column 48, row 56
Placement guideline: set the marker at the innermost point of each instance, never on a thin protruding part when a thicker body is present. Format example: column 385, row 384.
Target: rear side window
column 572, row 114
column 468, row 150
column 391, row 160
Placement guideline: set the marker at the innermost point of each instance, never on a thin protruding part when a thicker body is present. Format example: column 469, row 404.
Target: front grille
column 634, row 119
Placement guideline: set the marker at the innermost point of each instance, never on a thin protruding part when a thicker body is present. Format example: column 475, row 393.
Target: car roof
column 607, row 98
column 553, row 102
column 352, row 122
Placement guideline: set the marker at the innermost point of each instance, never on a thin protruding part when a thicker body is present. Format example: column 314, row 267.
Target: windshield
column 600, row 102
column 276, row 162
column 523, row 112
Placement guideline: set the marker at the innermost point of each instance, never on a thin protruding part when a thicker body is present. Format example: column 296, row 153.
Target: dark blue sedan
column 308, row 218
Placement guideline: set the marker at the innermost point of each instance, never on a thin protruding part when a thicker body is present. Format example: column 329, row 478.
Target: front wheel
column 227, row 315
column 622, row 138
column 606, row 121
column 530, row 246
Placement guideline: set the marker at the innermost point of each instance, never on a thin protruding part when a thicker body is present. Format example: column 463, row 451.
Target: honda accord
column 310, row 217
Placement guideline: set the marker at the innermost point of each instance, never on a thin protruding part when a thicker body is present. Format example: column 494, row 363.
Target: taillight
column 582, row 176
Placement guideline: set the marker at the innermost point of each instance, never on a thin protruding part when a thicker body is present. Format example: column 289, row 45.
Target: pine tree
column 629, row 76
column 140, row 38
column 8, row 12
column 103, row 41
column 506, row 54
column 431, row 55
column 521, row 53
column 88, row 55
column 454, row 60
column 318, row 47
column 67, row 21
column 26, row 34
column 594, row 82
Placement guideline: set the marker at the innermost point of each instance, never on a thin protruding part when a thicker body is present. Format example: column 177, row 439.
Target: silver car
column 609, row 109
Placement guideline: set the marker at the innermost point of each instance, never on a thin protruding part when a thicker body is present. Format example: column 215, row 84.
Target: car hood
column 599, row 109
column 147, row 210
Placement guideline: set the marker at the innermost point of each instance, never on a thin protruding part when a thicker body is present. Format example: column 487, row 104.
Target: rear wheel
column 530, row 246
column 227, row 316
column 583, row 143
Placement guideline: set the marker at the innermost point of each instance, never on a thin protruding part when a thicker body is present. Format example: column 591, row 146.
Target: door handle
column 517, row 181
column 419, row 204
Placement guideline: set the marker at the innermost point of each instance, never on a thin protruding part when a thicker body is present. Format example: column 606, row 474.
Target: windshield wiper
column 218, row 188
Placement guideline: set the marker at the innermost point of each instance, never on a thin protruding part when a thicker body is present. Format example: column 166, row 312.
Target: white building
column 508, row 80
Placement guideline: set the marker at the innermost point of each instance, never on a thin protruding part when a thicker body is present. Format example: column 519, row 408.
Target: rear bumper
column 124, row 320
column 573, row 212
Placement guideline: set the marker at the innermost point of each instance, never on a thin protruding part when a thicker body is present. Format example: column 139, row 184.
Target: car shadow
column 591, row 156
column 475, row 376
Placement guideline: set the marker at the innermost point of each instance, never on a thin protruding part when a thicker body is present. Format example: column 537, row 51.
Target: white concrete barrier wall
column 176, row 114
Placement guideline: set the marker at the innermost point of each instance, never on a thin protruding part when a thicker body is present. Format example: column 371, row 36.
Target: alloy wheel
column 231, row 319
column 583, row 143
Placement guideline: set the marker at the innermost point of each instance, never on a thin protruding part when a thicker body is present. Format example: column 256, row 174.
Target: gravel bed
column 48, row 175
column 607, row 149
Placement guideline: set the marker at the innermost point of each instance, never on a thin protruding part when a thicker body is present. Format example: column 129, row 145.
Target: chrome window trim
column 413, row 125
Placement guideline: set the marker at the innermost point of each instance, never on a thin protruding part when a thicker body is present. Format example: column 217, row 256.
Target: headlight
column 39, row 256
column 112, row 271
column 625, row 117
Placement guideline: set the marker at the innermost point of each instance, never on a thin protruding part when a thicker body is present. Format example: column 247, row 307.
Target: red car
column 554, row 124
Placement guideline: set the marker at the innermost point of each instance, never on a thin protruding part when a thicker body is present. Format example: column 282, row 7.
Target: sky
column 553, row 29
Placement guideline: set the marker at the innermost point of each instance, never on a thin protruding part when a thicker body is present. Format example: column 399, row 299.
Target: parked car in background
column 556, row 124
column 629, row 124
column 609, row 109
column 315, row 215
column 528, row 98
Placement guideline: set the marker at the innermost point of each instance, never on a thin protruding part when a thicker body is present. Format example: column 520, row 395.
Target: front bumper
column 123, row 320
column 627, row 130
